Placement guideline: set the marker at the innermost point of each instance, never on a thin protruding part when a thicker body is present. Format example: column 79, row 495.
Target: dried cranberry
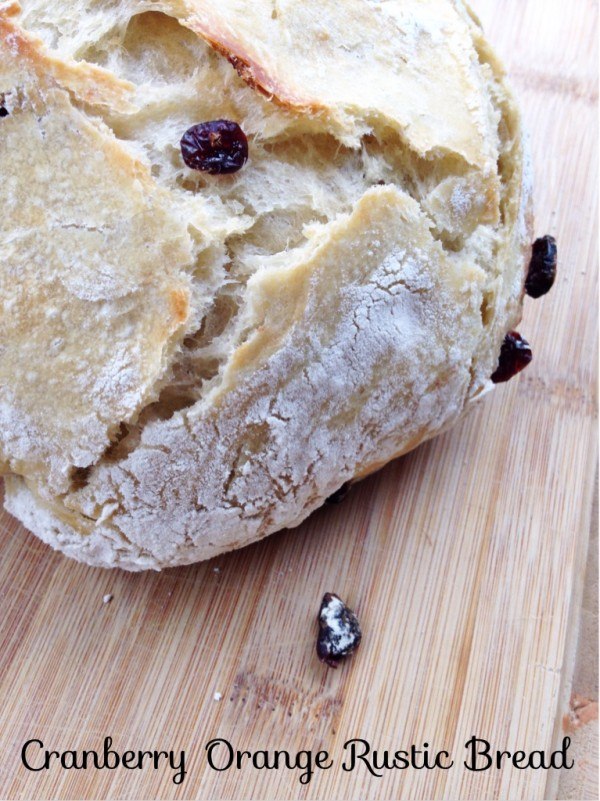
column 339, row 495
column 542, row 267
column 3, row 112
column 339, row 630
column 217, row 147
column 515, row 355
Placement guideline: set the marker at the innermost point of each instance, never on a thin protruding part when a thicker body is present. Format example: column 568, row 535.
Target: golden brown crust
column 90, row 312
column 90, row 84
column 359, row 69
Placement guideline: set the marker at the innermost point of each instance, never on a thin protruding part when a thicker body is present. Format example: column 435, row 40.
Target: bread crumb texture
column 190, row 362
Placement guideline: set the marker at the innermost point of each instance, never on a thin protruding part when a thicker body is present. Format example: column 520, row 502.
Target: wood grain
column 461, row 559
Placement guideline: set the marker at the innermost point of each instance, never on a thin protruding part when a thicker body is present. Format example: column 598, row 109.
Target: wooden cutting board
column 463, row 559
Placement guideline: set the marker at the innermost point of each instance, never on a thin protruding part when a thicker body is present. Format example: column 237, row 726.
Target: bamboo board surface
column 463, row 559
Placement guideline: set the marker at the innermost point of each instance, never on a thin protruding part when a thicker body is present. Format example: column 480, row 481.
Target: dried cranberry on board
column 542, row 267
column 515, row 355
column 218, row 147
column 339, row 630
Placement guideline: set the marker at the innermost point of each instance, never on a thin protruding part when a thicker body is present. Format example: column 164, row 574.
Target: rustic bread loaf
column 189, row 362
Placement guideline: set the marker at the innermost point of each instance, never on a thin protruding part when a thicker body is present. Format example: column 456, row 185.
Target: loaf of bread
column 190, row 361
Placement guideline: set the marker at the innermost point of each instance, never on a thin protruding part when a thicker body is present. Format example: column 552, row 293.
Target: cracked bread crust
column 235, row 348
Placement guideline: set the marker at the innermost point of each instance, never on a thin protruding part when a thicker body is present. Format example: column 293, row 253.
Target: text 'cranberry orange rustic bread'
column 250, row 251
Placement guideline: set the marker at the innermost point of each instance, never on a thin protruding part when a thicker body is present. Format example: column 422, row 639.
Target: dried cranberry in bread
column 189, row 361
